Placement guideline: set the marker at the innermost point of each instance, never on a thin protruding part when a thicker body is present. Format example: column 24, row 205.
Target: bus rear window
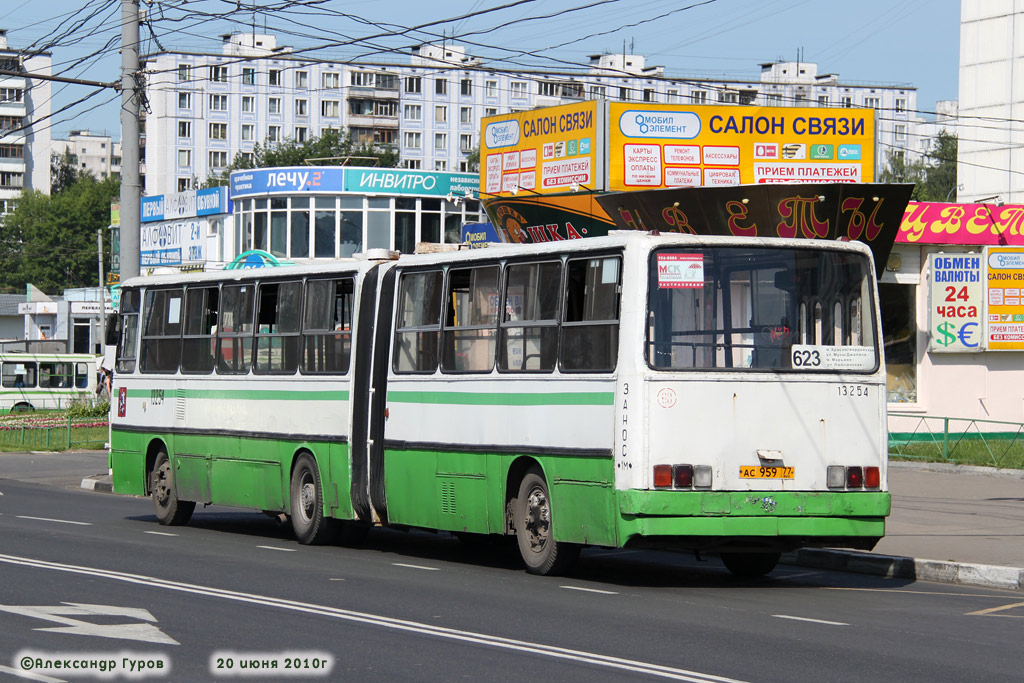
column 769, row 309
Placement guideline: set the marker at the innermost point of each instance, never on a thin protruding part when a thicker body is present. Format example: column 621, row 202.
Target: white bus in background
column 45, row 381
column 718, row 394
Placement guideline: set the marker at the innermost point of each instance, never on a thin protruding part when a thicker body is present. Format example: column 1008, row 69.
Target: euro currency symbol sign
column 948, row 336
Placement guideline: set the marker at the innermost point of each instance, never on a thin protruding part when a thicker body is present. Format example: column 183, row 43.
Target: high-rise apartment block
column 24, row 123
column 206, row 108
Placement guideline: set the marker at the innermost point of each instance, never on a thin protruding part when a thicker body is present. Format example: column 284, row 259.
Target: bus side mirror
column 113, row 329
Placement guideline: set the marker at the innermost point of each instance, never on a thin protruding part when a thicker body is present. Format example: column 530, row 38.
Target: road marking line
column 540, row 649
column 992, row 610
column 29, row 675
column 60, row 521
column 159, row 533
column 589, row 590
column 815, row 621
column 901, row 590
column 283, row 550
column 417, row 566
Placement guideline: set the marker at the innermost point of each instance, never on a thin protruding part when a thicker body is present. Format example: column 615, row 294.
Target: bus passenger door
column 379, row 391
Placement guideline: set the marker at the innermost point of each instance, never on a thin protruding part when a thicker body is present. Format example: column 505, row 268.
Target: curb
column 896, row 567
column 101, row 483
column 950, row 468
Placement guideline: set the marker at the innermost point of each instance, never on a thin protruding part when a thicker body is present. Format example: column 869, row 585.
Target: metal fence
column 959, row 440
column 55, row 433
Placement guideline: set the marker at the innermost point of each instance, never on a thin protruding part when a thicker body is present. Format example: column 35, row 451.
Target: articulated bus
column 724, row 395
column 30, row 381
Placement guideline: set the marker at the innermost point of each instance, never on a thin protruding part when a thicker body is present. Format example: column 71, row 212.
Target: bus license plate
column 767, row 472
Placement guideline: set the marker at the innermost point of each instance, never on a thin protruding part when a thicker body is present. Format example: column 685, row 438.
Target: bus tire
column 750, row 565
column 169, row 510
column 541, row 553
column 22, row 407
column 310, row 525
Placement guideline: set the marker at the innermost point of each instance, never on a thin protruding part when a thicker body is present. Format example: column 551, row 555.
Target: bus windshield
column 760, row 309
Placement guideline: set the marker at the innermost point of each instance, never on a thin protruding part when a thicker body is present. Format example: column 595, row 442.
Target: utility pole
column 131, row 97
column 103, row 290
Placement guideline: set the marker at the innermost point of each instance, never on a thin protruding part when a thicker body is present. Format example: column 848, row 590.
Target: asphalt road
column 92, row 577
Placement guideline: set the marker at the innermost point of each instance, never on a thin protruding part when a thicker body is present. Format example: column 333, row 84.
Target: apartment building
column 206, row 108
column 24, row 148
column 94, row 153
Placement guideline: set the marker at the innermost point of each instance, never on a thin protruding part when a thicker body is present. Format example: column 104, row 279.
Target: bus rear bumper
column 777, row 520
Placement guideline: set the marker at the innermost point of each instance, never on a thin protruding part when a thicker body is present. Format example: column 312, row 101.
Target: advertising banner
column 172, row 243
column 956, row 303
column 356, row 179
column 1005, row 276
column 668, row 145
column 555, row 149
column 980, row 224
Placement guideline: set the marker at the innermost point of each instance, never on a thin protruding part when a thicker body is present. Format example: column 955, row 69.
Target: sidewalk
column 950, row 524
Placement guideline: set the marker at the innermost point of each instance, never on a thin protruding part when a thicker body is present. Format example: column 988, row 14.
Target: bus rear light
column 872, row 478
column 836, row 478
column 662, row 476
column 702, row 477
column 854, row 477
column 682, row 476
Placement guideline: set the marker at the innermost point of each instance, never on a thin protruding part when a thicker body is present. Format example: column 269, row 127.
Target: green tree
column 330, row 149
column 940, row 173
column 899, row 170
column 64, row 171
column 50, row 240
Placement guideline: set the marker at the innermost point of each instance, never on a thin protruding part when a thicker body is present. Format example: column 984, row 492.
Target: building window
column 624, row 94
column 699, row 97
column 413, row 140
column 518, row 88
column 847, row 102
column 273, row 133
column 385, row 108
column 248, row 76
column 466, row 86
column 184, row 184
column 466, row 143
column 218, row 74
column 274, row 77
column 184, row 157
column 901, row 132
column 440, row 165
column 413, row 85
column 441, row 86
column 218, row 131
column 218, row 159
column 248, row 158
column 274, row 105
column 466, row 115
column 218, row 102
column 248, row 104
column 248, row 132
column 441, row 114
column 901, row 106
column 491, row 88
column 184, row 129
column 385, row 81
column 184, row 73
column 872, row 102
column 597, row 92
column 490, row 111
column 330, row 109
column 774, row 99
column 728, row 97
column 672, row 96
column 412, row 163
column 440, row 141
column 11, row 94
column 384, row 136
column 184, row 100
column 822, row 100
column 548, row 89
column 302, row 107
column 899, row 334
column 362, row 79
column 301, row 133
column 649, row 95
column 413, row 112
column 331, row 80
column 302, row 80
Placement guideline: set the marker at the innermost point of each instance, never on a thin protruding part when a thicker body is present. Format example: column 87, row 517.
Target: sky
column 912, row 42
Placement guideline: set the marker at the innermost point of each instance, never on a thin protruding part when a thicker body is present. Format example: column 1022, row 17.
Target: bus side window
column 234, row 332
column 529, row 322
column 590, row 323
column 468, row 335
column 81, row 375
column 197, row 351
column 126, row 347
column 161, row 333
column 327, row 326
column 419, row 322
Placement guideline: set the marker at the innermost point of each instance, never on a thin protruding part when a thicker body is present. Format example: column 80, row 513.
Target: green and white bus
column 719, row 394
column 45, row 381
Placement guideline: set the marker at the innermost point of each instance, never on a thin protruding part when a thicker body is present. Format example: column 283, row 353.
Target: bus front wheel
column 310, row 525
column 750, row 565
column 169, row 510
column 541, row 553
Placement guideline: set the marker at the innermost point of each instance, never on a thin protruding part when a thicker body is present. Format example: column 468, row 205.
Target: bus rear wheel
column 309, row 523
column 541, row 553
column 750, row 565
column 169, row 510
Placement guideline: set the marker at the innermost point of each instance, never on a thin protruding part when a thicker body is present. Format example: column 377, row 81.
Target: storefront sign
column 963, row 224
column 357, row 180
column 479, row 234
column 1005, row 276
column 172, row 243
column 955, row 307
column 666, row 145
